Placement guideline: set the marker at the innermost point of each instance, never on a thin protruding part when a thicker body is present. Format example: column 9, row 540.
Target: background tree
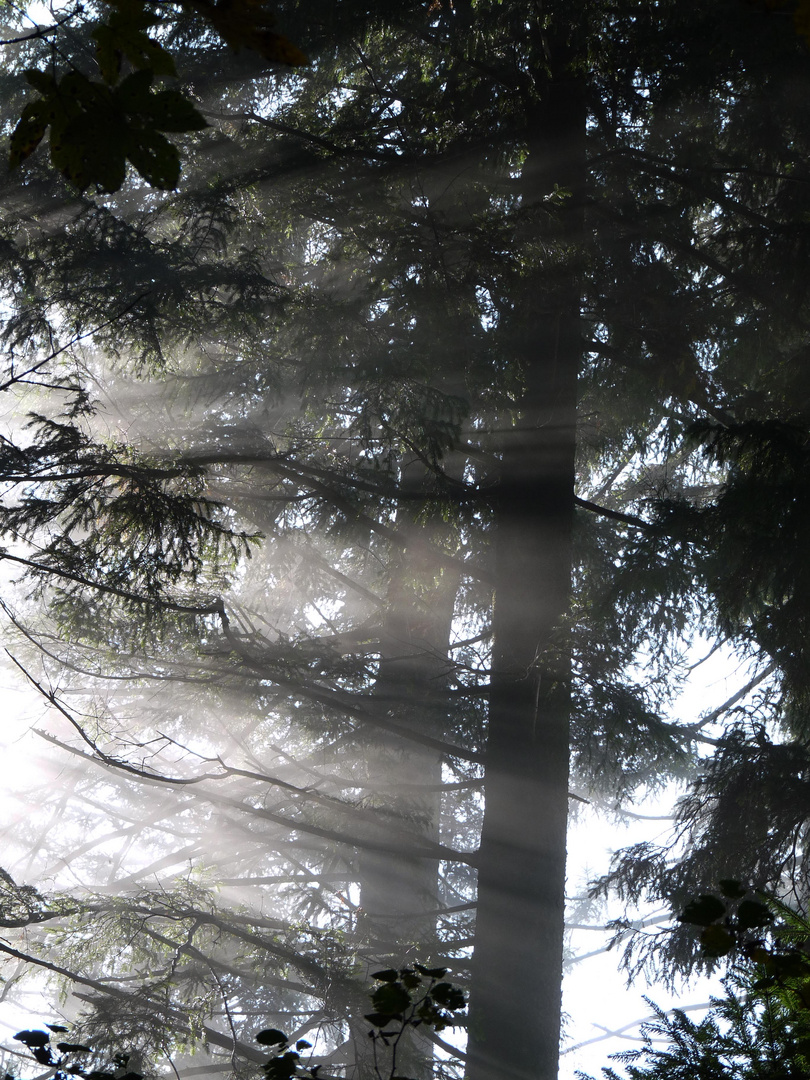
column 338, row 235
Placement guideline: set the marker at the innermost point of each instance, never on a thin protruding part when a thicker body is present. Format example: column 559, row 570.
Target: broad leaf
column 751, row 914
column 703, row 911
column 717, row 940
column 391, row 998
column 271, row 1037
column 33, row 1038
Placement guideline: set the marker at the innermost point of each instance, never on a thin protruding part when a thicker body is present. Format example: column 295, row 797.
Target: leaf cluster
column 760, row 1028
column 738, row 923
column 68, row 1059
column 727, row 920
column 97, row 125
column 95, row 128
column 406, row 999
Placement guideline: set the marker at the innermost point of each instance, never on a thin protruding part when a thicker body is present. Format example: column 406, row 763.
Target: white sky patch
column 601, row 1012
column 40, row 14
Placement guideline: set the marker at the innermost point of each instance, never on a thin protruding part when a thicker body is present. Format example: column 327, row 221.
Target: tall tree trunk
column 517, row 966
column 399, row 895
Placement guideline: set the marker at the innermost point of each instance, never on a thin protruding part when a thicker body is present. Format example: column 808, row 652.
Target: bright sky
column 597, row 999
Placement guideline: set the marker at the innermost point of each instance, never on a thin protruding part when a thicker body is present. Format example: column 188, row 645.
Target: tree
column 557, row 201
column 759, row 1028
column 740, row 1037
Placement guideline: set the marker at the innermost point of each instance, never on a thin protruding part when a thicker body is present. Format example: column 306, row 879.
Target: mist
column 420, row 473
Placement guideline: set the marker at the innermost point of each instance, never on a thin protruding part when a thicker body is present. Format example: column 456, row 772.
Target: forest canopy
column 396, row 420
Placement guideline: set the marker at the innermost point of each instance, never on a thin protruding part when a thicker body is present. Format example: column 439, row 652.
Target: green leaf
column 752, row 914
column 108, row 55
column 33, row 1038
column 790, row 965
column 388, row 975
column 717, row 941
column 282, row 1067
column 168, row 110
column 731, row 889
column 380, row 1019
column 448, row 996
column 391, row 998
column 302, row 1044
column 432, row 973
column 73, row 1048
column 270, row 1037
column 134, row 92
column 89, row 149
column 27, row 135
column 40, row 80
column 96, row 128
column 703, row 911
column 155, row 158
column 121, row 36
column 84, row 93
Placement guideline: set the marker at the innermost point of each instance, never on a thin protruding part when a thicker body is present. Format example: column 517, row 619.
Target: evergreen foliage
column 739, row 1039
column 366, row 317
column 760, row 1028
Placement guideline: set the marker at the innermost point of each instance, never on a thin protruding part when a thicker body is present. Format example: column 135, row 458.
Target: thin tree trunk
column 517, row 966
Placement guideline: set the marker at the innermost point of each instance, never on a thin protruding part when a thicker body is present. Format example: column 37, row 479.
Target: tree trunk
column 399, row 895
column 517, row 966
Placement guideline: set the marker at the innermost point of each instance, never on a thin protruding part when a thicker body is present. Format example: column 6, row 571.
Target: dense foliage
column 489, row 325
column 760, row 1027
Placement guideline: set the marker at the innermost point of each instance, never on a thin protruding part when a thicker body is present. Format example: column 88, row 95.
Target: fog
column 403, row 517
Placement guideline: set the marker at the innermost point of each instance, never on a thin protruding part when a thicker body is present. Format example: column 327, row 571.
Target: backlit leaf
column 155, row 158
column 271, row 1037
column 752, row 914
column 703, row 911
column 28, row 133
column 716, row 940
column 732, row 889
column 33, row 1038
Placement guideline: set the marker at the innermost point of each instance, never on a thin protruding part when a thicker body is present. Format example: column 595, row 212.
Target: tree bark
column 517, row 965
column 399, row 895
